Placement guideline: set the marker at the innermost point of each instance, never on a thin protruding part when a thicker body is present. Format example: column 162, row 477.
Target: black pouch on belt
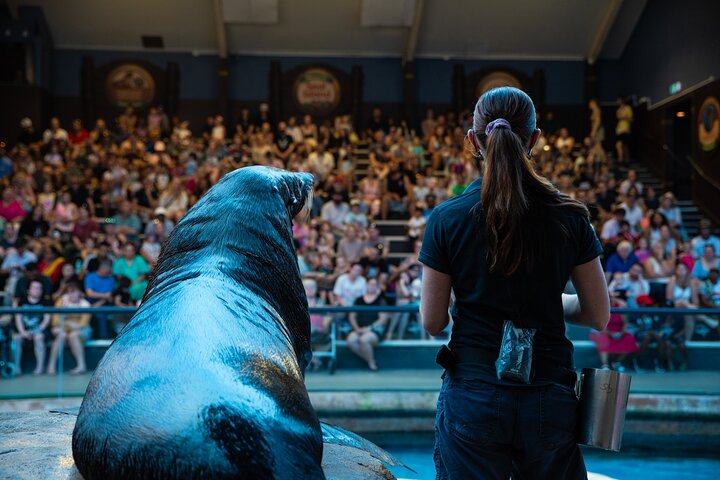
column 516, row 351
column 445, row 358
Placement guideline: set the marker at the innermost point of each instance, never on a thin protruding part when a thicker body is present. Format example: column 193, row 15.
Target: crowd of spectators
column 83, row 214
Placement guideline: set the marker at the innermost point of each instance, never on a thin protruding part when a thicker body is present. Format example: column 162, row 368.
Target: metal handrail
column 335, row 309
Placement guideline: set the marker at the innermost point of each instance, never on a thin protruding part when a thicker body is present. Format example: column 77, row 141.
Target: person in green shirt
column 135, row 268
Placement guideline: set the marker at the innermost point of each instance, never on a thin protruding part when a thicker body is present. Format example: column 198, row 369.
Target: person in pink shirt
column 10, row 208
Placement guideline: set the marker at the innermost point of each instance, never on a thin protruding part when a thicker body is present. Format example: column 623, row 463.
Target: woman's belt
column 458, row 362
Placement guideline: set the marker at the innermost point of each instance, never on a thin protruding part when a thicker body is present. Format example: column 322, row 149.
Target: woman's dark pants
column 486, row 431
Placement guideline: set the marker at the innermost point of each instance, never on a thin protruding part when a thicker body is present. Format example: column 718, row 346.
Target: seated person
column 121, row 298
column 646, row 330
column 74, row 327
column 681, row 292
column 133, row 267
column 408, row 287
column 31, row 327
column 367, row 327
column 398, row 197
column 707, row 261
column 628, row 286
column 319, row 323
column 621, row 260
column 375, row 265
column 710, row 298
column 615, row 340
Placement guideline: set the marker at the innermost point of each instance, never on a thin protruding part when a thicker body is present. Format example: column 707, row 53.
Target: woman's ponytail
column 503, row 126
column 504, row 199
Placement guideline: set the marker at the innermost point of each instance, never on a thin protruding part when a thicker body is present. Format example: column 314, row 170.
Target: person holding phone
column 506, row 248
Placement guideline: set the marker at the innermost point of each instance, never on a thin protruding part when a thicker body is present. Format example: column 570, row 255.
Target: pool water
column 626, row 465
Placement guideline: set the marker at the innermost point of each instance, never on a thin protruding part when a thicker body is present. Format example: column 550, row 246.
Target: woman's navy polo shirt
column 455, row 243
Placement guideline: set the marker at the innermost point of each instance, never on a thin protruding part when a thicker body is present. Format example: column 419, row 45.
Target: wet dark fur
column 207, row 379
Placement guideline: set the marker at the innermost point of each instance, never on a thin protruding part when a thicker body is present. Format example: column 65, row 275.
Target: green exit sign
column 675, row 87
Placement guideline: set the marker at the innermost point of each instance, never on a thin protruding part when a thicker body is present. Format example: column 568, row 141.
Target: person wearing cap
column 704, row 237
column 355, row 216
column 28, row 136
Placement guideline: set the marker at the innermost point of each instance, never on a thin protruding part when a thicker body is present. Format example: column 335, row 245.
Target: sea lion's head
column 241, row 233
column 294, row 189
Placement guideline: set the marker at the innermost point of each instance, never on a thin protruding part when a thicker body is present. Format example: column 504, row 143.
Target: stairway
column 690, row 213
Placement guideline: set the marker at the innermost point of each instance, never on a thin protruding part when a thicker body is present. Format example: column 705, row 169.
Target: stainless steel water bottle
column 601, row 413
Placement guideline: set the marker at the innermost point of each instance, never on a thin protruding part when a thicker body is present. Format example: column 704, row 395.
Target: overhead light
column 546, row 148
column 680, row 114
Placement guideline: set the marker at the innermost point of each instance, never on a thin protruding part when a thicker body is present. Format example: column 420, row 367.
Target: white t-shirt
column 322, row 164
column 349, row 291
column 415, row 225
column 610, row 229
column 633, row 215
column 335, row 214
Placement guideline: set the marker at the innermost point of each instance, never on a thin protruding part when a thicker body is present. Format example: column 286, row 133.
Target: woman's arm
column 435, row 299
column 352, row 319
column 45, row 322
column 593, row 303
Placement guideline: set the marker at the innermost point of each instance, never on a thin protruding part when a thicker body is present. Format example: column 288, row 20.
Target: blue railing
column 336, row 309
column 5, row 311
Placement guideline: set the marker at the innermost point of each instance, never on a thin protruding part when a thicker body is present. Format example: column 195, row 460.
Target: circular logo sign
column 709, row 124
column 316, row 91
column 495, row 80
column 130, row 85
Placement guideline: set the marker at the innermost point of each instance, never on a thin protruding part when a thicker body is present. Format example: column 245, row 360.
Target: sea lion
column 207, row 379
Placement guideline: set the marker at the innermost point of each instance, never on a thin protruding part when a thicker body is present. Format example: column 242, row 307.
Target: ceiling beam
column 220, row 29
column 412, row 38
column 603, row 29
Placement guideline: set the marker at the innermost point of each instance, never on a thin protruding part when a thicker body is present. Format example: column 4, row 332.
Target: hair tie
column 497, row 123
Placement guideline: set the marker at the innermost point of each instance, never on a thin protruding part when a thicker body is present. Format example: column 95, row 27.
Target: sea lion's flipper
column 339, row 436
column 74, row 411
